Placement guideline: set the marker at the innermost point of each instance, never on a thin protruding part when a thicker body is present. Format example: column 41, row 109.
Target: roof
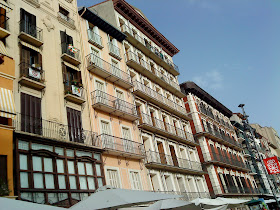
column 93, row 17
column 191, row 87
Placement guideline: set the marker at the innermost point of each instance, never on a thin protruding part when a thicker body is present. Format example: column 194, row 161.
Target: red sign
column 272, row 165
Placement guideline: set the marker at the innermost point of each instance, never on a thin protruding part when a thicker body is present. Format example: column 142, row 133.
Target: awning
column 71, row 66
column 3, row 49
column 4, row 5
column 30, row 46
column 7, row 104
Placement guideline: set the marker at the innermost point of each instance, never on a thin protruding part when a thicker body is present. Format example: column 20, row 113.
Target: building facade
column 171, row 163
column 219, row 149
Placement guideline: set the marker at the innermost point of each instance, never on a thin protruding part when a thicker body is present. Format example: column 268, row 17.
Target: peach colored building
column 112, row 106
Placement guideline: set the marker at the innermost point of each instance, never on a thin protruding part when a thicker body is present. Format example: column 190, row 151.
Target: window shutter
column 100, row 86
column 64, row 73
column 74, row 125
column 2, row 18
column 105, row 127
column 40, row 60
column 114, row 41
column 25, row 56
column 63, row 36
column 69, row 40
column 126, row 133
column 96, row 30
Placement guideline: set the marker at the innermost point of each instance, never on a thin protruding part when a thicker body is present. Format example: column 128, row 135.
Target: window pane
column 41, row 146
column 81, row 153
column 48, row 165
column 60, row 166
column 61, row 182
column 49, row 181
column 91, row 184
column 97, row 156
column 59, row 151
column 70, row 153
column 75, row 196
column 26, row 196
column 72, row 180
column 23, row 162
column 71, row 167
column 89, row 169
column 39, row 197
column 100, row 182
column 62, row 196
column 38, row 180
column 83, row 183
column 83, row 196
column 98, row 170
column 37, row 163
column 24, row 180
column 81, row 168
column 23, row 145
column 52, row 198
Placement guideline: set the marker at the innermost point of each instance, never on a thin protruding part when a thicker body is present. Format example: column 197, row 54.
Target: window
column 106, row 137
column 63, row 13
column 115, row 68
column 113, row 178
column 95, row 57
column 72, row 81
column 28, row 23
column 120, row 94
column 135, row 180
column 128, row 144
column 75, row 125
column 66, row 41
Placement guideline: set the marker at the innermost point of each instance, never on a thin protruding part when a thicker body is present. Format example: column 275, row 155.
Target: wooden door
column 173, row 155
column 74, row 125
column 161, row 153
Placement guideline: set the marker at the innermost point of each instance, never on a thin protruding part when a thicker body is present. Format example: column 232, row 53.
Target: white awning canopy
column 5, row 5
column 30, row 46
column 7, row 104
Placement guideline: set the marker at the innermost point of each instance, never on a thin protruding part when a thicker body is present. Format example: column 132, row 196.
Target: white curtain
column 89, row 169
column 61, row 182
column 91, row 183
column 23, row 162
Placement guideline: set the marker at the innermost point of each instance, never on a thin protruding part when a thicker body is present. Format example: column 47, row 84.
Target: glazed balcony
column 165, row 129
column 32, row 76
column 149, row 51
column 95, row 39
column 225, row 161
column 122, row 147
column 64, row 19
column 74, row 92
column 114, row 51
column 47, row 129
column 154, row 97
column 172, row 163
column 223, row 139
column 30, row 33
column 140, row 65
column 187, row 196
column 4, row 27
column 113, row 105
column 107, row 71
column 70, row 54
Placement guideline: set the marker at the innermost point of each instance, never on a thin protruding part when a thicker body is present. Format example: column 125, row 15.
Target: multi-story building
column 57, row 156
column 7, row 107
column 171, row 157
column 255, row 148
column 112, row 106
column 219, row 149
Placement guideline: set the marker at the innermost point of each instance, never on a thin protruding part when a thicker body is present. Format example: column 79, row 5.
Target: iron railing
column 66, row 18
column 33, row 72
column 125, row 28
column 187, row 196
column 132, row 56
column 121, row 144
column 94, row 38
column 54, row 130
column 154, row 94
column 70, row 50
column 4, row 22
column 31, row 29
column 100, row 97
column 169, row 160
column 152, row 121
column 70, row 88
column 236, row 190
column 114, row 50
column 93, row 60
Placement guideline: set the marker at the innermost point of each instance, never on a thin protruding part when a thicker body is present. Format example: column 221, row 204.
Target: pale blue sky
column 231, row 48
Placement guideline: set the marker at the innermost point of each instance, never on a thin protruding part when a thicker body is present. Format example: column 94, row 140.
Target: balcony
column 30, row 33
column 225, row 161
column 172, row 163
column 187, row 196
column 95, row 39
column 4, row 27
column 165, row 129
column 66, row 20
column 156, row 98
column 114, row 51
column 46, row 129
column 113, row 105
column 122, row 147
column 236, row 191
column 149, row 51
column 140, row 65
column 70, row 54
column 32, row 76
column 223, row 139
column 107, row 71
column 74, row 93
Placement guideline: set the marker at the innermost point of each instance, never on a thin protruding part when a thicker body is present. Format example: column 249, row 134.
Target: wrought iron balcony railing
column 54, row 130
column 241, row 190
column 102, row 98
column 74, row 89
column 94, row 38
column 66, row 18
column 95, row 61
column 114, row 50
column 125, row 28
column 187, row 196
column 159, row 124
column 33, row 72
column 70, row 50
column 162, row 99
column 122, row 145
column 31, row 29
column 169, row 160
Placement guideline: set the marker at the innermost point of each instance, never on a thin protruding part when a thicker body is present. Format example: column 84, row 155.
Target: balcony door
column 72, row 81
column 28, row 23
column 115, row 68
column 66, row 40
column 95, row 57
column 120, row 102
column 107, row 138
column 161, row 153
column 100, row 94
column 75, row 125
column 128, row 144
column 173, row 155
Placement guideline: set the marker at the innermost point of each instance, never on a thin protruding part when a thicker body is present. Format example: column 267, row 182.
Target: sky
column 229, row 48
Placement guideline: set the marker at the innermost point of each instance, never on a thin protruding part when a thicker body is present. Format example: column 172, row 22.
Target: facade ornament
column 48, row 23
